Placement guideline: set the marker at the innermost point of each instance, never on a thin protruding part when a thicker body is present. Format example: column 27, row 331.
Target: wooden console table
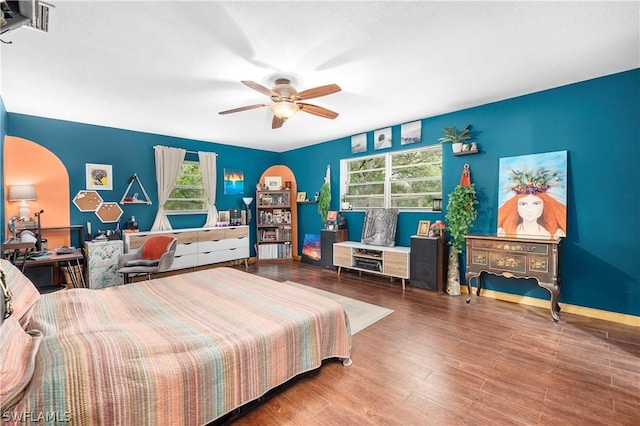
column 514, row 257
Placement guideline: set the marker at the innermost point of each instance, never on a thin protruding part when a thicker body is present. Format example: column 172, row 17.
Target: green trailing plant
column 324, row 200
column 452, row 135
column 461, row 214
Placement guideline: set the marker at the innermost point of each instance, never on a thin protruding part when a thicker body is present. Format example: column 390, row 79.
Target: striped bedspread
column 184, row 349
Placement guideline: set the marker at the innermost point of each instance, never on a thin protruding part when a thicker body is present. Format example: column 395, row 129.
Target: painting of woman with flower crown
column 533, row 196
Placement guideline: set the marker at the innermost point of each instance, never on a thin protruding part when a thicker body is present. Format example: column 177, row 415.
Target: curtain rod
column 187, row 151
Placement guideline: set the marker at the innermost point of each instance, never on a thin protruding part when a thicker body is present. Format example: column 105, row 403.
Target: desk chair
column 155, row 255
column 16, row 252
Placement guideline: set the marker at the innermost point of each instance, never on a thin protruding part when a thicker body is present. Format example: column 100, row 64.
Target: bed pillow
column 25, row 294
column 18, row 349
column 155, row 247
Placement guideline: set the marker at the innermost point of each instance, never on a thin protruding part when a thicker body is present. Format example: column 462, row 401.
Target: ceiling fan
column 286, row 100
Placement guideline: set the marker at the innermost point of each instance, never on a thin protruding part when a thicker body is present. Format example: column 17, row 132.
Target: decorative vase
column 345, row 205
column 456, row 147
column 453, row 273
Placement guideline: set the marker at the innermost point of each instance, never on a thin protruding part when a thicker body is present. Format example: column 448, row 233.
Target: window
column 403, row 179
column 189, row 195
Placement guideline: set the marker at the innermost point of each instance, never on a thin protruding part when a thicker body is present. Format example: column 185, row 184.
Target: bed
column 185, row 349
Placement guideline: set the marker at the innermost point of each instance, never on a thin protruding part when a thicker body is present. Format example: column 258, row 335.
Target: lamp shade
column 22, row 192
column 284, row 109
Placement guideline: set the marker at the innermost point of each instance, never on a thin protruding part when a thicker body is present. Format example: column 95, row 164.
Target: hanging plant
column 461, row 213
column 324, row 200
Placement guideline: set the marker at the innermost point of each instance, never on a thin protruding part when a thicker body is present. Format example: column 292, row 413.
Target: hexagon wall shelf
column 87, row 201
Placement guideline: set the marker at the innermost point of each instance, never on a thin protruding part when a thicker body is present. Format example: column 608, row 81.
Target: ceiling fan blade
column 260, row 88
column 244, row 108
column 277, row 122
column 317, row 110
column 318, row 91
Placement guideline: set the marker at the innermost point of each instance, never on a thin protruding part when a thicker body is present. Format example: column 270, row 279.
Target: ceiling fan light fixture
column 284, row 109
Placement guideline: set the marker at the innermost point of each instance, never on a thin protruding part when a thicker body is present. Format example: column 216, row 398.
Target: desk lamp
column 247, row 202
column 22, row 193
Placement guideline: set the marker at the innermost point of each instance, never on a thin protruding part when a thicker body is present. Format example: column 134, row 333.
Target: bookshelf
column 275, row 225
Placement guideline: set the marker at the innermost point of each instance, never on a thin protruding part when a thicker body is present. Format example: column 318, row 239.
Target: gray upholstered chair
column 155, row 255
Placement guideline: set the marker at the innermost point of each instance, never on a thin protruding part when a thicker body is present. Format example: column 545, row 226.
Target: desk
column 70, row 228
column 514, row 257
column 71, row 261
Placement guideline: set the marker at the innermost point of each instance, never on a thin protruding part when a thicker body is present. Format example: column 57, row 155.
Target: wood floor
column 439, row 361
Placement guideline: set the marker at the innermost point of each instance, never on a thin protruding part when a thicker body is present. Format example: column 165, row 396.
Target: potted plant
column 324, row 200
column 344, row 205
column 456, row 138
column 461, row 214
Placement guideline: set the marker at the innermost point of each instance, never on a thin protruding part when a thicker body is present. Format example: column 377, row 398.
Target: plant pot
column 345, row 205
column 456, row 147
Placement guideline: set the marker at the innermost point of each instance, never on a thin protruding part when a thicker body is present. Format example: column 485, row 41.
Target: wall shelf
column 128, row 199
column 475, row 151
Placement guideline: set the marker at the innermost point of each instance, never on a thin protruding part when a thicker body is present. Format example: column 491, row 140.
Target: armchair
column 155, row 255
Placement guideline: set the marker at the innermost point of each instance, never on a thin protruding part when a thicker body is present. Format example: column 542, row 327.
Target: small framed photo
column 273, row 182
column 224, row 216
column 423, row 228
column 302, row 196
column 99, row 177
column 332, row 216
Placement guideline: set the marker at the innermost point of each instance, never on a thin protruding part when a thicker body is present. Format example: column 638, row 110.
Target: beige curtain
column 168, row 163
column 208, row 168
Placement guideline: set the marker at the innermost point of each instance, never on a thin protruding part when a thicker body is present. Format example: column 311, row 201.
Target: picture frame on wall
column 411, row 132
column 302, row 196
column 382, row 138
column 358, row 143
column 273, row 183
column 99, row 177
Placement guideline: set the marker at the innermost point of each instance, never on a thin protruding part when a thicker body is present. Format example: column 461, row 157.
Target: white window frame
column 344, row 170
column 201, row 187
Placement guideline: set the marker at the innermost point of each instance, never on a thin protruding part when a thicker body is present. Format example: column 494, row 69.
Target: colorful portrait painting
column 532, row 198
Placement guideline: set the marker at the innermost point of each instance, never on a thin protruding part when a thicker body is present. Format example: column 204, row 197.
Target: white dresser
column 102, row 261
column 200, row 246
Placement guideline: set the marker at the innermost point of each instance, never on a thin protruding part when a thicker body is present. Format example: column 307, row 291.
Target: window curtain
column 168, row 163
column 208, row 168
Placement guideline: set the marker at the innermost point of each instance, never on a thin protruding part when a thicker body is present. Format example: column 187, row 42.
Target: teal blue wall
column 3, row 132
column 132, row 152
column 595, row 121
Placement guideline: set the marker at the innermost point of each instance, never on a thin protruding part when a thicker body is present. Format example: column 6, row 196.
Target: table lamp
column 22, row 193
column 247, row 202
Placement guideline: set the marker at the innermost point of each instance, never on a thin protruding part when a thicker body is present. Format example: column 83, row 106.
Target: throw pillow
column 18, row 349
column 25, row 294
column 155, row 247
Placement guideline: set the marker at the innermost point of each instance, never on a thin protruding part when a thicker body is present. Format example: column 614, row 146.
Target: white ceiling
column 169, row 67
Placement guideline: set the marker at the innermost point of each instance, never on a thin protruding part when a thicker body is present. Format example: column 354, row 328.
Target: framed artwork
column 423, row 228
column 224, row 216
column 532, row 197
column 411, row 132
column 302, row 196
column 273, row 182
column 99, row 177
column 332, row 216
column 380, row 227
column 382, row 138
column 233, row 182
column 358, row 143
